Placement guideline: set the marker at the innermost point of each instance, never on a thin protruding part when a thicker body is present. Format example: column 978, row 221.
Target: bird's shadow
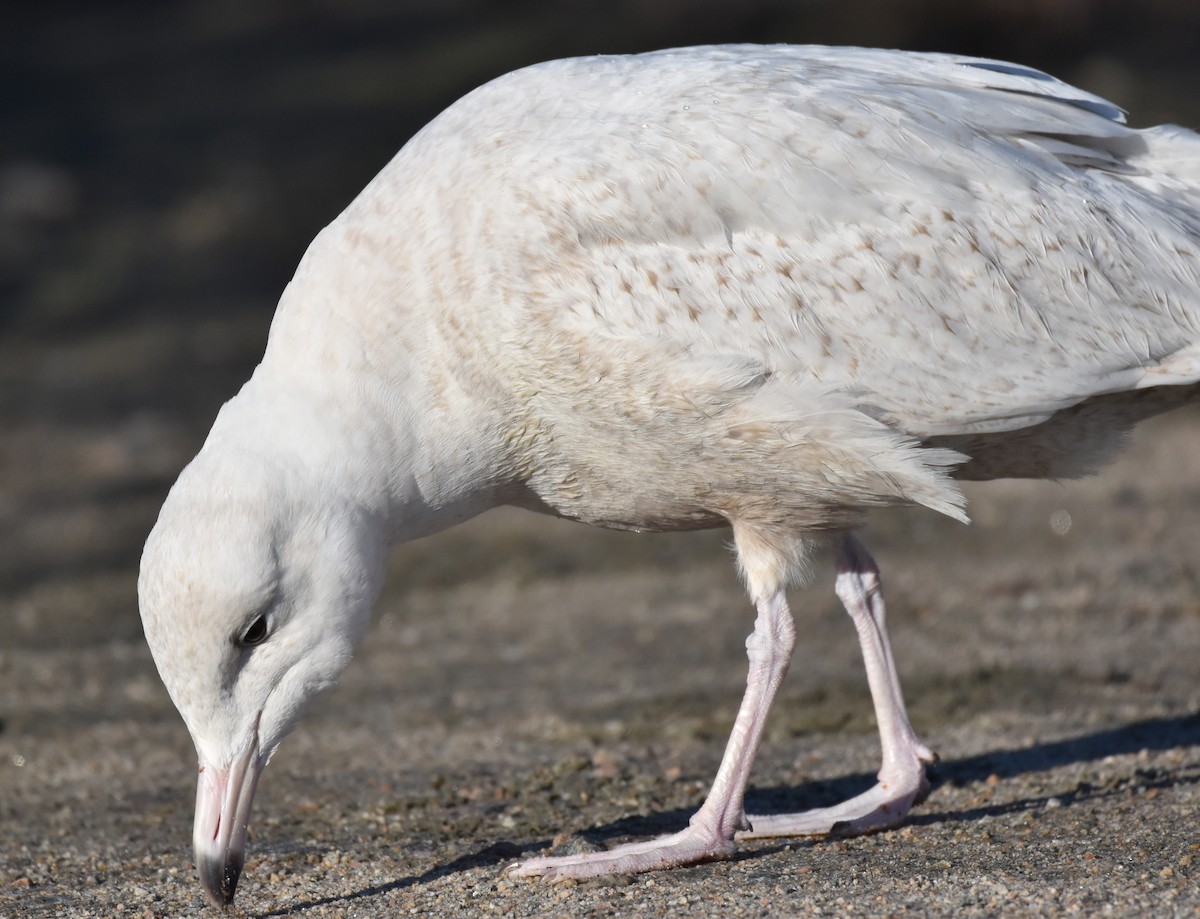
column 496, row 853
column 1150, row 734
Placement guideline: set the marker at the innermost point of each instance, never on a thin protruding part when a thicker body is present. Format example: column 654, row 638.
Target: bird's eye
column 255, row 634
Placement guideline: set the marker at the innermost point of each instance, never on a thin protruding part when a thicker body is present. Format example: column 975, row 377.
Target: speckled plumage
column 743, row 239
column 763, row 286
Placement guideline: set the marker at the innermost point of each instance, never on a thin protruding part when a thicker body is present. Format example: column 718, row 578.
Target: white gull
column 762, row 287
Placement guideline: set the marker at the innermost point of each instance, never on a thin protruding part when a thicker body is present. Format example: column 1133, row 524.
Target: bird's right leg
column 902, row 780
column 710, row 833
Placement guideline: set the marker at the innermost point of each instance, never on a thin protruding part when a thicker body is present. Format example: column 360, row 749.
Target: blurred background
column 162, row 168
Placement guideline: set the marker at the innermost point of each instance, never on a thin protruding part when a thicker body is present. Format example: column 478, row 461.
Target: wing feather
column 961, row 245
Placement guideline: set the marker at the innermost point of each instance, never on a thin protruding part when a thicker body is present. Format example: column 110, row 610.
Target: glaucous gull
column 761, row 287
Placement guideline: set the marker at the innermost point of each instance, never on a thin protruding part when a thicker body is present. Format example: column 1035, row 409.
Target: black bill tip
column 220, row 878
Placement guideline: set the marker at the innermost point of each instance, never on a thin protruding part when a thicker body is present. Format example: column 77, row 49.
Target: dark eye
column 255, row 634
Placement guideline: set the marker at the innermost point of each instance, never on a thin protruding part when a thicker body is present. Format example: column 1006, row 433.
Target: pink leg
column 902, row 780
column 710, row 833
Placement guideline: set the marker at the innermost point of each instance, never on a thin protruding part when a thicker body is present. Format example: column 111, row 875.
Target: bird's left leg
column 902, row 780
column 710, row 833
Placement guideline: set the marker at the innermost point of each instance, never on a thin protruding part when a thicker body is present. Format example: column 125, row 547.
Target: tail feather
column 1173, row 157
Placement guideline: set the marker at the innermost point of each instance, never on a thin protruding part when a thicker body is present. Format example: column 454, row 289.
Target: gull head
column 255, row 587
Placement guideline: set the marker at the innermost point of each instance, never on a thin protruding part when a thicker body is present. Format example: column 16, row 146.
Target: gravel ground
column 529, row 684
column 532, row 684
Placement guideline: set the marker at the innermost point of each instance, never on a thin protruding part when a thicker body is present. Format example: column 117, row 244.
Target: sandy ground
column 530, row 680
column 531, row 684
